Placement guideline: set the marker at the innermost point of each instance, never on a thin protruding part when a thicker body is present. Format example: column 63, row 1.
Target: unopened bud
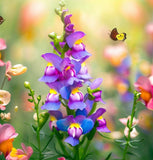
column 62, row 3
column 27, row 84
column 16, row 108
column 52, row 35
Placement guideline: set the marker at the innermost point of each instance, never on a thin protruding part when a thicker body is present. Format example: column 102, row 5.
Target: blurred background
column 26, row 28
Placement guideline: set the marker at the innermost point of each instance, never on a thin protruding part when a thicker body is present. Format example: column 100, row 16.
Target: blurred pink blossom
column 16, row 70
column 61, row 158
column 20, row 154
column 5, row 97
column 7, row 135
column 2, row 44
column 145, row 86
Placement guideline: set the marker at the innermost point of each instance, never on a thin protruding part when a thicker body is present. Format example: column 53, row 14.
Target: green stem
column 85, row 149
column 136, row 96
column 3, row 82
column 76, row 149
column 38, row 120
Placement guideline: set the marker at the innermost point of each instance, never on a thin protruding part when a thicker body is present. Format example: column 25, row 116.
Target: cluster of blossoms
column 7, row 131
column 121, row 61
column 65, row 74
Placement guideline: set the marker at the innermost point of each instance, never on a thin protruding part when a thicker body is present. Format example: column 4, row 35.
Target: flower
column 145, row 86
column 76, row 100
column 61, row 158
column 101, row 121
column 94, row 90
column 134, row 132
column 54, row 116
column 16, row 70
column 2, row 44
column 75, row 127
column 52, row 101
column 5, row 116
column 7, row 135
column 5, row 97
column 18, row 154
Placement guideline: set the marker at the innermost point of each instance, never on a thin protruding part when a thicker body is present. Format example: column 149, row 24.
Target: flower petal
column 72, row 141
column 76, row 105
column 96, row 83
column 72, row 38
column 54, row 59
column 87, row 125
column 51, row 106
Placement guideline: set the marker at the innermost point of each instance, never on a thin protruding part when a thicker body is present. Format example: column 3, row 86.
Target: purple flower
column 76, row 100
column 52, row 101
column 67, row 71
column 95, row 91
column 54, row 116
column 75, row 127
column 77, row 47
column 101, row 121
column 51, row 74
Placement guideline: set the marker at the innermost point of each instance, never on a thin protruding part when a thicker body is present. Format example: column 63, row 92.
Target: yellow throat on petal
column 14, row 153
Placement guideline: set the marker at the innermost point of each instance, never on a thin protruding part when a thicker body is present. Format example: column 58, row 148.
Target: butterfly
column 114, row 35
column 1, row 20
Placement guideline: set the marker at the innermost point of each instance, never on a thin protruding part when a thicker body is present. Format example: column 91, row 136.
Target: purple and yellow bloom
column 52, row 101
column 51, row 74
column 54, row 116
column 68, row 69
column 95, row 91
column 101, row 121
column 77, row 47
column 75, row 127
column 76, row 100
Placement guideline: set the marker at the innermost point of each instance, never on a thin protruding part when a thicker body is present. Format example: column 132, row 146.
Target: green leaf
column 104, row 136
column 107, row 158
column 30, row 100
column 34, row 128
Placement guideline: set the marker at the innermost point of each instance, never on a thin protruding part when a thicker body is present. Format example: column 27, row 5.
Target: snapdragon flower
column 75, row 127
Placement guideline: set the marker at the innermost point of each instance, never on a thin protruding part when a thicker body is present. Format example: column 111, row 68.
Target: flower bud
column 62, row 3
column 52, row 35
column 27, row 85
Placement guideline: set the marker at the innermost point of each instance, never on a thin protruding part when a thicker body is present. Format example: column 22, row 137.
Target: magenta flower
column 145, row 86
column 61, row 158
column 7, row 135
column 20, row 154
column 75, row 127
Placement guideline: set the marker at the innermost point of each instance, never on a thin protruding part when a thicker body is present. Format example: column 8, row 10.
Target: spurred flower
column 75, row 127
column 7, row 135
column 52, row 101
column 145, row 86
column 20, row 154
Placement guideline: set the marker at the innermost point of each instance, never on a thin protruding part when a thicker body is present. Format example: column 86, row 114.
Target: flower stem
column 76, row 149
column 85, row 149
column 136, row 96
column 3, row 82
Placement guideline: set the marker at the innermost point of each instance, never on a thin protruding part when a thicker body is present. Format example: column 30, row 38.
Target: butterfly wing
column 113, row 34
column 121, row 37
column 1, row 20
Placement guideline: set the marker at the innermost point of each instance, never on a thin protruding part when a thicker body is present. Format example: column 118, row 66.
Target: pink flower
column 145, row 86
column 7, row 135
column 20, row 154
column 2, row 44
column 134, row 132
column 15, row 70
column 61, row 158
column 4, row 99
